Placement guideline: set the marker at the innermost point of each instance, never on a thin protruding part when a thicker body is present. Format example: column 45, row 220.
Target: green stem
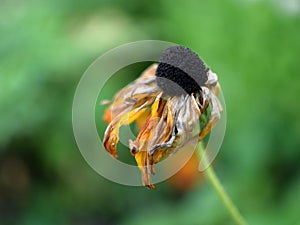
column 212, row 177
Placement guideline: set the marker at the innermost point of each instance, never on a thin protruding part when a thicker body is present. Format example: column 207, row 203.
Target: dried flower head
column 172, row 96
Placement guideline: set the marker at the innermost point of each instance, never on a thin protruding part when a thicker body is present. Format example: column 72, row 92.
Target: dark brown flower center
column 180, row 71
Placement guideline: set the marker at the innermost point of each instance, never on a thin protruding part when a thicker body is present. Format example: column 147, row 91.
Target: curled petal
column 142, row 159
column 111, row 136
column 128, row 105
column 169, row 126
column 143, row 141
column 130, row 96
column 187, row 119
column 214, row 116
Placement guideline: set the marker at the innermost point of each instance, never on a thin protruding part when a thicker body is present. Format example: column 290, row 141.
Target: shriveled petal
column 187, row 119
column 147, row 132
column 111, row 136
column 142, row 159
column 128, row 105
column 169, row 126
column 216, row 109
column 143, row 88
column 142, row 143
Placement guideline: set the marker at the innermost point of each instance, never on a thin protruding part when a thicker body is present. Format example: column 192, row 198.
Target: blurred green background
column 45, row 47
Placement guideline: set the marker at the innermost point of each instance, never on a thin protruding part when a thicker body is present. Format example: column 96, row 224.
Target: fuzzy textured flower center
column 180, row 71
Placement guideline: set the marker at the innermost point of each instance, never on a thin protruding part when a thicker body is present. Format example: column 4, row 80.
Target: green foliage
column 46, row 46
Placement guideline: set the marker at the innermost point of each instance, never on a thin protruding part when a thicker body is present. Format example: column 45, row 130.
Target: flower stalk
column 215, row 182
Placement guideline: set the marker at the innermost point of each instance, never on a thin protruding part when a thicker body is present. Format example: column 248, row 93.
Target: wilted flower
column 172, row 95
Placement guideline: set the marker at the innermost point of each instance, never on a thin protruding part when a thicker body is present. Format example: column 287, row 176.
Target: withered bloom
column 172, row 95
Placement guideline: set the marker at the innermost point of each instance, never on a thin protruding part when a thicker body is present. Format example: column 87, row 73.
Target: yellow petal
column 142, row 157
column 111, row 136
column 142, row 160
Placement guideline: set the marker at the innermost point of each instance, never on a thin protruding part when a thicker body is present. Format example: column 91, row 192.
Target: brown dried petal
column 128, row 104
column 158, row 139
column 133, row 94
